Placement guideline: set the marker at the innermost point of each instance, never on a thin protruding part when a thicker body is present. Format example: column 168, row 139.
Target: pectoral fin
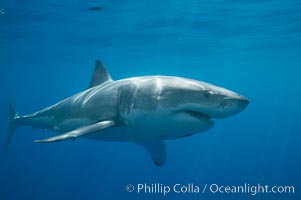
column 80, row 131
column 157, row 150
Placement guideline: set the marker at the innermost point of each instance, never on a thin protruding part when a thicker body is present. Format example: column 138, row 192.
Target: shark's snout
column 233, row 105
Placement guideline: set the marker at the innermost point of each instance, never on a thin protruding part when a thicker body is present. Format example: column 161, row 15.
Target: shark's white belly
column 142, row 125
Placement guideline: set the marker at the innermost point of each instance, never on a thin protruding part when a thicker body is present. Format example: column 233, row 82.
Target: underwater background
column 47, row 53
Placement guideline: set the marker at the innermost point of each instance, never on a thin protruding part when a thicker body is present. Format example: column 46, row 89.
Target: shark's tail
column 12, row 124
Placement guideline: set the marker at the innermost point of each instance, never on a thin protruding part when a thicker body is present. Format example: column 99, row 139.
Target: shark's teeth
column 199, row 115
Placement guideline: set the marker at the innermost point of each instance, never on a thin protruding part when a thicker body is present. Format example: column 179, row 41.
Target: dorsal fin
column 100, row 74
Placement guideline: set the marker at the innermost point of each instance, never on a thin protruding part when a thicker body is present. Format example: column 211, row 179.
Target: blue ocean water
column 47, row 53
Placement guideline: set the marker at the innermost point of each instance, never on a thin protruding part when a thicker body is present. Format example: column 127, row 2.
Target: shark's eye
column 207, row 94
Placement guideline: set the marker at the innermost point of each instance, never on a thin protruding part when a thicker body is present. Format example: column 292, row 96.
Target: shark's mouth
column 200, row 116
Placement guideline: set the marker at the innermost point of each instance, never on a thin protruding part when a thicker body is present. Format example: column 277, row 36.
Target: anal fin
column 79, row 132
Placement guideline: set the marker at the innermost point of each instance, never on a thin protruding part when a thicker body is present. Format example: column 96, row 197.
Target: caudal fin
column 12, row 126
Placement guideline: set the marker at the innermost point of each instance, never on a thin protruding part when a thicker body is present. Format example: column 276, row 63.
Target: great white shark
column 143, row 110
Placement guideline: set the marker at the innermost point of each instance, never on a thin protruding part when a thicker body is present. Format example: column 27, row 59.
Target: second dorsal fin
column 100, row 74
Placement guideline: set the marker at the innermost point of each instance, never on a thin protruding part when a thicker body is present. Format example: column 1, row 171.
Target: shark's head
column 207, row 101
column 222, row 103
column 218, row 102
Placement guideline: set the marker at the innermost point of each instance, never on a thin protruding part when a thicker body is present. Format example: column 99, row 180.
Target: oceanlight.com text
column 193, row 188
